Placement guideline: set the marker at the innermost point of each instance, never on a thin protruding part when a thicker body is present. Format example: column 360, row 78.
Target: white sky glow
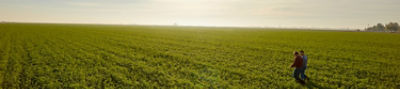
column 258, row 13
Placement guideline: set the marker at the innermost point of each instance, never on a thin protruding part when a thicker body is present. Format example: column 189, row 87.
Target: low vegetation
column 59, row 56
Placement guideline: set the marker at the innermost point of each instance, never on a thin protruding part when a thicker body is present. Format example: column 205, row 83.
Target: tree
column 392, row 26
column 380, row 27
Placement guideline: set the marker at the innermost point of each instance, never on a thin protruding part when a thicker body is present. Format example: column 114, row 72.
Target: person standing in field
column 303, row 75
column 298, row 65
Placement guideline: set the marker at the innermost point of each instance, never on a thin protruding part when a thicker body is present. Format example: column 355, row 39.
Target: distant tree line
column 390, row 27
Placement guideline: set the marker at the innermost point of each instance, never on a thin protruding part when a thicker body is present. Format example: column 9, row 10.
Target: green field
column 116, row 56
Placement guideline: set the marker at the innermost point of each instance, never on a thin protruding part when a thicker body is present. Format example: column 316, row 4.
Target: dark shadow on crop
column 311, row 85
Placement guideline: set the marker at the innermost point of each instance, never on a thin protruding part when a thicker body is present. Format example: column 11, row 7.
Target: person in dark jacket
column 298, row 65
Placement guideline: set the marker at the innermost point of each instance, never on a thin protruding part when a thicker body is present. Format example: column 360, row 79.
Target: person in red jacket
column 298, row 65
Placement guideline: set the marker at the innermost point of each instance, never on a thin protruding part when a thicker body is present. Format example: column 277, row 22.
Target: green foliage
column 70, row 56
column 392, row 26
column 377, row 27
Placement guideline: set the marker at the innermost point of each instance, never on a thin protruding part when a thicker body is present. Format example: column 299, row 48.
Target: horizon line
column 177, row 25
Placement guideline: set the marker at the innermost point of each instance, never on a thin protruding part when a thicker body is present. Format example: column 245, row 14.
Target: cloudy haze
column 259, row 13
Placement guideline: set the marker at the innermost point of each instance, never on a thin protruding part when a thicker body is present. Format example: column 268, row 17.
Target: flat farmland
column 80, row 56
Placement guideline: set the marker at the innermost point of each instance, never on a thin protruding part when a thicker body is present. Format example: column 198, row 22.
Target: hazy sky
column 268, row 13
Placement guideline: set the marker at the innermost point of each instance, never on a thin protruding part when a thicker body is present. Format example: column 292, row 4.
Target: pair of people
column 300, row 64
